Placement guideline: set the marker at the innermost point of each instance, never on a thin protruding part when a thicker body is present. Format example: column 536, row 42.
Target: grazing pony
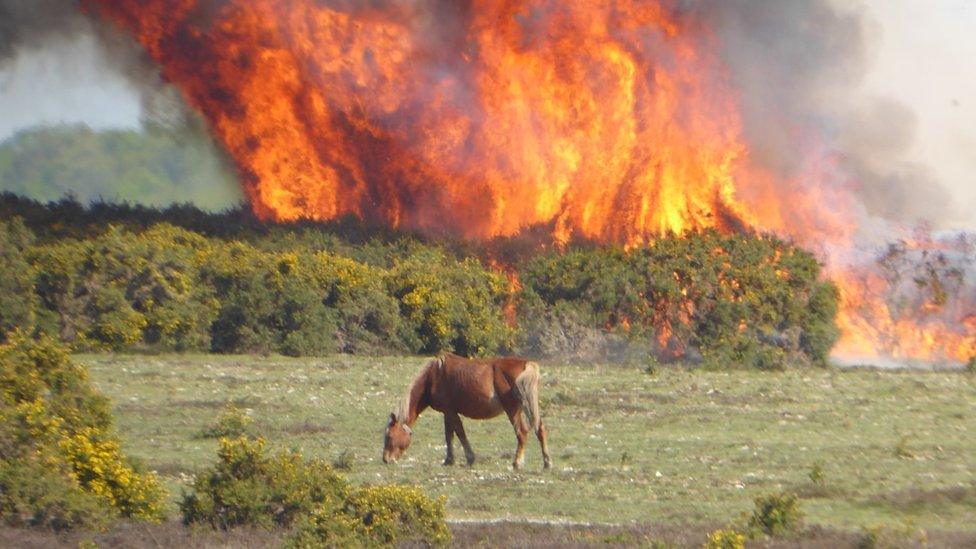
column 478, row 389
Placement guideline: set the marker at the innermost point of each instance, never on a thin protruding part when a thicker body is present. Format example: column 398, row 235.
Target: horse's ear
column 392, row 418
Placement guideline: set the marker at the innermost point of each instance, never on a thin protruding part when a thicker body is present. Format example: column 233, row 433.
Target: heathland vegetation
column 120, row 278
column 125, row 278
column 680, row 453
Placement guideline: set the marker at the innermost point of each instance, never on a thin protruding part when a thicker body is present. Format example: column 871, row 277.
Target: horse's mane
column 402, row 411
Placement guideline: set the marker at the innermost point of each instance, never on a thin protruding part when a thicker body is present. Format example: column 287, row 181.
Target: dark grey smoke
column 34, row 24
column 798, row 64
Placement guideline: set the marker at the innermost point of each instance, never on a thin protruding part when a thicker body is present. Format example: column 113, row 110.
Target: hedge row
column 308, row 289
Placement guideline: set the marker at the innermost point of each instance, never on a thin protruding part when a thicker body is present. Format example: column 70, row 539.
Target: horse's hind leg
column 521, row 434
column 540, row 433
column 450, row 420
column 468, row 452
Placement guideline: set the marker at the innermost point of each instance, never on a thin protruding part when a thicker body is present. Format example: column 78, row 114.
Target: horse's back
column 477, row 388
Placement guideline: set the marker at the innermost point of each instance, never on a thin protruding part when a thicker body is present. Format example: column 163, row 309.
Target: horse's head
column 396, row 439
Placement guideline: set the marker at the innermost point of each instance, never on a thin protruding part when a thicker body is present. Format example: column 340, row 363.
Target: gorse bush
column 755, row 302
column 250, row 487
column 231, row 423
column 40, row 491
column 127, row 278
column 18, row 301
column 775, row 514
column 726, row 538
column 61, row 464
column 385, row 515
column 123, row 290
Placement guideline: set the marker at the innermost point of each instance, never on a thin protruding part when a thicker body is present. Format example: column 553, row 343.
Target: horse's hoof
column 448, row 462
column 547, row 465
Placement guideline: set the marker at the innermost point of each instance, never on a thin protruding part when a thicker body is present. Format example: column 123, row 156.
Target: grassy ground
column 897, row 450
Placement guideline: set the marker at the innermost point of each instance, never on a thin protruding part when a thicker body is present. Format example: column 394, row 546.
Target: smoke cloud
column 799, row 65
column 60, row 26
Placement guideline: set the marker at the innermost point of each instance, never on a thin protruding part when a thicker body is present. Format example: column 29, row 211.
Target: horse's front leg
column 449, row 420
column 521, row 433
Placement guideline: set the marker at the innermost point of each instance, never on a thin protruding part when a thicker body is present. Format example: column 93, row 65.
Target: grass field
column 897, row 450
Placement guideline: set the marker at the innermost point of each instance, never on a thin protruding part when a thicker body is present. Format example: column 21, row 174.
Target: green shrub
column 741, row 351
column 368, row 316
column 40, row 492
column 775, row 514
column 231, row 423
column 385, row 515
column 971, row 366
column 746, row 301
column 450, row 305
column 817, row 474
column 18, row 301
column 120, row 290
column 249, row 487
column 726, row 538
column 268, row 303
column 52, row 419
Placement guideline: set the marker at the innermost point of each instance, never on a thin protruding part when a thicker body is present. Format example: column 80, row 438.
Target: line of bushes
column 189, row 282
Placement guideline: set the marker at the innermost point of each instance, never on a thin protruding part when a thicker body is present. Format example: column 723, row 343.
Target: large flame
column 612, row 120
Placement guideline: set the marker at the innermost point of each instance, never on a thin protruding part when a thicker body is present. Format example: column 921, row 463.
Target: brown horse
column 478, row 389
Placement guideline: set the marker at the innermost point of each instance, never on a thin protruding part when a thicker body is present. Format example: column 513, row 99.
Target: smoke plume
column 799, row 65
column 35, row 25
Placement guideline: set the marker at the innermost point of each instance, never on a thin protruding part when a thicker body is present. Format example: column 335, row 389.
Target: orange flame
column 612, row 120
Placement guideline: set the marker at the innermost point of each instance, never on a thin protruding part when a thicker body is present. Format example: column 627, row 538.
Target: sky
column 65, row 82
column 924, row 56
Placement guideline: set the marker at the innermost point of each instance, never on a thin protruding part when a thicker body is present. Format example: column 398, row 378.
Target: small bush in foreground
column 35, row 494
column 385, row 515
column 61, row 464
column 248, row 487
column 726, row 538
column 775, row 514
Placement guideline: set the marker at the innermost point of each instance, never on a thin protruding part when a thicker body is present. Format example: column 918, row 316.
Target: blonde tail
column 527, row 384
